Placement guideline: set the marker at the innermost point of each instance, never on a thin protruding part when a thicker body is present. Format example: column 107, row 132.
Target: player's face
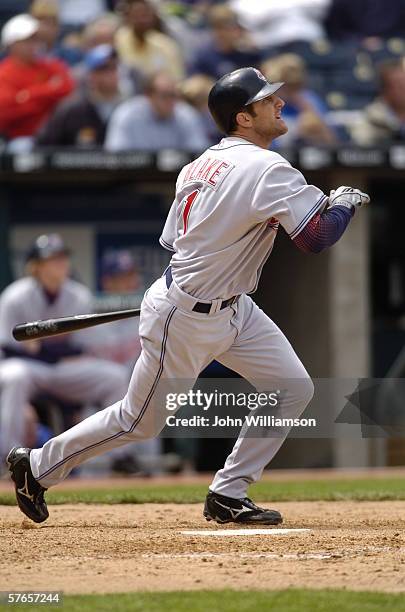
column 53, row 272
column 268, row 123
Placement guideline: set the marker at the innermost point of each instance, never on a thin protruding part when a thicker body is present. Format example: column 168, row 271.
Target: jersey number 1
column 188, row 203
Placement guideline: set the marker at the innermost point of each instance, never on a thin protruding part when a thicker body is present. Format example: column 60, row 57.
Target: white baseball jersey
column 223, row 222
column 25, row 300
column 85, row 380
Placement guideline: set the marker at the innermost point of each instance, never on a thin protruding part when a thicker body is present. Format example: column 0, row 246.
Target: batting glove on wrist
column 349, row 197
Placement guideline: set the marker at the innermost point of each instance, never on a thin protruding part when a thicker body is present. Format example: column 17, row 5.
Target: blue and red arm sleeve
column 324, row 229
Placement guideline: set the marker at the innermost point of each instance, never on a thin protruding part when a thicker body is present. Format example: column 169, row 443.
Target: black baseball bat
column 53, row 327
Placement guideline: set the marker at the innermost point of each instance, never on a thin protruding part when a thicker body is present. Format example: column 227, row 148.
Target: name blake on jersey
column 208, row 170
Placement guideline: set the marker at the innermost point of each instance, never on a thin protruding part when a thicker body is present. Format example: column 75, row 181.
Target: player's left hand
column 348, row 196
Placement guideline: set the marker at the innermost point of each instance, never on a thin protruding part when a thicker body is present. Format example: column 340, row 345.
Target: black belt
column 203, row 307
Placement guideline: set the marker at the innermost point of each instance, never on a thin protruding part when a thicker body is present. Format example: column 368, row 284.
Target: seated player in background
column 58, row 366
column 81, row 120
column 119, row 342
column 31, row 85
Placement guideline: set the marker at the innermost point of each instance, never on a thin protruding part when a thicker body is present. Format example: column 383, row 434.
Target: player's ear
column 244, row 119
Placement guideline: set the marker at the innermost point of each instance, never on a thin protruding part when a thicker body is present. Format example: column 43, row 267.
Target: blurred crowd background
column 134, row 75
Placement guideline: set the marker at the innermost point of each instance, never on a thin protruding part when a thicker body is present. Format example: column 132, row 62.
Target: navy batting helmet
column 232, row 92
column 46, row 246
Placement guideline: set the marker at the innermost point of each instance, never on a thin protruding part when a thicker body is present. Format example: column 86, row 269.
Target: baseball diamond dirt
column 94, row 548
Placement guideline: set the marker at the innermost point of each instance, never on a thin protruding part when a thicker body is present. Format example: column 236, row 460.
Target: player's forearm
column 324, row 229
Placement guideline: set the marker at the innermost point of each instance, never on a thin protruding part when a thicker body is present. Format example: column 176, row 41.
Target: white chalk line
column 229, row 533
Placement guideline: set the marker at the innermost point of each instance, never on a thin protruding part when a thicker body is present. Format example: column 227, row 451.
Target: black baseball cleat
column 29, row 493
column 243, row 511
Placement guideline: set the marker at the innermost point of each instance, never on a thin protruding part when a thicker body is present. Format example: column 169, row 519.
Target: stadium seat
column 378, row 50
column 322, row 55
column 358, row 85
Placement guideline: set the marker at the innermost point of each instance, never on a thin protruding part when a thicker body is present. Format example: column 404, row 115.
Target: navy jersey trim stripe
column 239, row 144
column 166, row 245
column 308, row 216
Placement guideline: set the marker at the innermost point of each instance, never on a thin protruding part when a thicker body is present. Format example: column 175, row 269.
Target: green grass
column 364, row 489
column 290, row 600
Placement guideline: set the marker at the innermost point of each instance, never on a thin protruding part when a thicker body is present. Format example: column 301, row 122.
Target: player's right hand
column 348, row 196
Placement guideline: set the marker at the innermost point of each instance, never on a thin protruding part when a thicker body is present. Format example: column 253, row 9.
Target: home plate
column 243, row 532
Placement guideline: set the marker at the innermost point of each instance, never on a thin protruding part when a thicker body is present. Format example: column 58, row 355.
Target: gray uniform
column 77, row 378
column 221, row 229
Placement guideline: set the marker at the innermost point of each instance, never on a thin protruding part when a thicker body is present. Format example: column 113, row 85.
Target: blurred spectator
column 274, row 24
column 156, row 121
column 101, row 31
column 58, row 365
column 141, row 46
column 186, row 25
column 348, row 20
column 383, row 120
column 47, row 13
column 81, row 120
column 229, row 48
column 195, row 91
column 75, row 14
column 304, row 111
column 31, row 86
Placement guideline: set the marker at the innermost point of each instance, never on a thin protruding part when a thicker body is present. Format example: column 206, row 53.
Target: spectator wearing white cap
column 31, row 85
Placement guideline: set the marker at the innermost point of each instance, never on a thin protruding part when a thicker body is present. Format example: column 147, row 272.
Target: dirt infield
column 120, row 548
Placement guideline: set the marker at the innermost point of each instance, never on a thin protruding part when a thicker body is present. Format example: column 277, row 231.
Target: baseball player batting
column 221, row 229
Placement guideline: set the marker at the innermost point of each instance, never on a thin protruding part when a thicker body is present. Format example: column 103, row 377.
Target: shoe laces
column 255, row 507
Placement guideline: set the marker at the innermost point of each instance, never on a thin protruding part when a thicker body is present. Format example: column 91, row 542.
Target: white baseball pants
column 81, row 379
column 178, row 343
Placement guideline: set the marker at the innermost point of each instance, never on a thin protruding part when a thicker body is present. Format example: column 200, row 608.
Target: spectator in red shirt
column 30, row 86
